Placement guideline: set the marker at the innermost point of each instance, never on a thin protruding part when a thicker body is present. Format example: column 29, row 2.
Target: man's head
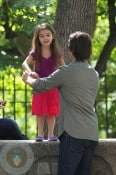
column 79, row 44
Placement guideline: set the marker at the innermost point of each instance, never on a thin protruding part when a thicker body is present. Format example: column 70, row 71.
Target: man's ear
column 70, row 54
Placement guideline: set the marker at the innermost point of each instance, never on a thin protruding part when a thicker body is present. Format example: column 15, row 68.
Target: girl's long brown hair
column 36, row 45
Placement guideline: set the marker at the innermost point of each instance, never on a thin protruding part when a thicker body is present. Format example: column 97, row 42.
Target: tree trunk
column 73, row 15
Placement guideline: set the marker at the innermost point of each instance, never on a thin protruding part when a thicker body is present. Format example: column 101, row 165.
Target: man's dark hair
column 79, row 44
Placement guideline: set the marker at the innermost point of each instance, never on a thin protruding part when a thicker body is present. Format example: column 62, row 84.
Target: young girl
column 44, row 58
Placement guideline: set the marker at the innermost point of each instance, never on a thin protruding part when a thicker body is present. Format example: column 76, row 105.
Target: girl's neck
column 46, row 52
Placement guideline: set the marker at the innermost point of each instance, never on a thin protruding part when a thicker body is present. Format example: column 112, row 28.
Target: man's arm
column 43, row 84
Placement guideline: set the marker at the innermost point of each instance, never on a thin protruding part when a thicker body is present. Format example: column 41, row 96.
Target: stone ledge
column 31, row 158
column 104, row 162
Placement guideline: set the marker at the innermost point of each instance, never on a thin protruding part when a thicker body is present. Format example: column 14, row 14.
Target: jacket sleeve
column 54, row 80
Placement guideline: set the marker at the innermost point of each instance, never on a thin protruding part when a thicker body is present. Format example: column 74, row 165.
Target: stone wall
column 32, row 158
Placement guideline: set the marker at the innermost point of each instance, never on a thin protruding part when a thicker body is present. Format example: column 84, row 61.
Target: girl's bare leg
column 51, row 124
column 40, row 120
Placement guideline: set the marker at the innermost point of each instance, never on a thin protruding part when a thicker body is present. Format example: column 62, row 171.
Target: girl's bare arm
column 28, row 63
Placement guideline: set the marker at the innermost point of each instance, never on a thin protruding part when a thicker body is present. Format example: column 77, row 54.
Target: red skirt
column 46, row 103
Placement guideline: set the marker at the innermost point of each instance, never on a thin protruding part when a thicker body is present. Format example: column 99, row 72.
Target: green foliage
column 23, row 15
column 100, row 37
column 18, row 98
column 9, row 61
column 106, row 99
column 102, row 9
column 18, row 21
column 19, row 17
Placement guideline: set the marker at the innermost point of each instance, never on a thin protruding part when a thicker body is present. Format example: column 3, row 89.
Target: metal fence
column 18, row 97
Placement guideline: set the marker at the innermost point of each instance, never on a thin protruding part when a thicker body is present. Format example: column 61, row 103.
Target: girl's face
column 45, row 37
